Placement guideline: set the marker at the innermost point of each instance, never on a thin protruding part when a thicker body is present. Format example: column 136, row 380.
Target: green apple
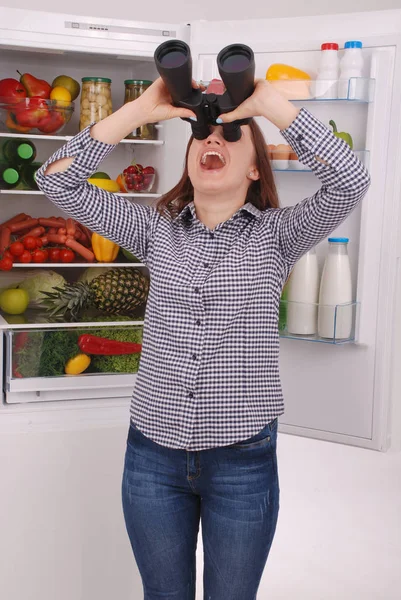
column 14, row 301
column 69, row 83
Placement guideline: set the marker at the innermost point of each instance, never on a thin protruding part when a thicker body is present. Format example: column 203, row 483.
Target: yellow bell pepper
column 104, row 250
column 106, row 184
column 77, row 364
column 292, row 83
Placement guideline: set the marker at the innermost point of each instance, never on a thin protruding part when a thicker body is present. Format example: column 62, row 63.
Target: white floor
column 63, row 536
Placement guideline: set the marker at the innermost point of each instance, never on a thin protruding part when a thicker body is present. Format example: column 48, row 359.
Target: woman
column 202, row 440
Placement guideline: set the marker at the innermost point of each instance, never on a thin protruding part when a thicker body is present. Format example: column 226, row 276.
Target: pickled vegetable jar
column 133, row 89
column 96, row 101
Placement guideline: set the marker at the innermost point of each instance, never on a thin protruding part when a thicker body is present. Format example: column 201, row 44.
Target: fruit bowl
column 141, row 181
column 34, row 115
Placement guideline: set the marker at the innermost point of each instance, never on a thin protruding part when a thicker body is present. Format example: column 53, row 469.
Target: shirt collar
column 188, row 212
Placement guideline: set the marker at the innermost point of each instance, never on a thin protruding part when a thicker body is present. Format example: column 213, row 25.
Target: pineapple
column 118, row 291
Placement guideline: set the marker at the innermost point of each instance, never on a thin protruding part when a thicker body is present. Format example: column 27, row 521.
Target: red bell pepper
column 92, row 344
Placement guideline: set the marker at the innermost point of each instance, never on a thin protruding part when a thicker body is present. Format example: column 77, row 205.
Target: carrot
column 27, row 224
column 70, row 226
column 54, row 238
column 51, row 222
column 80, row 249
column 16, row 219
column 36, row 232
column 5, row 236
column 62, row 231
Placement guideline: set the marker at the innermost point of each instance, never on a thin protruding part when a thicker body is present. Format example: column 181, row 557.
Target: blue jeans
column 233, row 489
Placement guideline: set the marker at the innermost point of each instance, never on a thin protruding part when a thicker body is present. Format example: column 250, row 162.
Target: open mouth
column 212, row 161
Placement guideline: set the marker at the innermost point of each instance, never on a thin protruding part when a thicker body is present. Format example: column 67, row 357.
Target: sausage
column 70, row 227
column 36, row 232
column 26, row 224
column 56, row 238
column 62, row 231
column 51, row 223
column 80, row 249
column 16, row 219
column 5, row 236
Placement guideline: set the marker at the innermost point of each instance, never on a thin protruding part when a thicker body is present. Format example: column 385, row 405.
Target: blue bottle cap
column 338, row 240
column 353, row 44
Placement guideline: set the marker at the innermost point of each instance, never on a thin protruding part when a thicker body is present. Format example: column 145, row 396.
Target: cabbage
column 92, row 272
column 38, row 280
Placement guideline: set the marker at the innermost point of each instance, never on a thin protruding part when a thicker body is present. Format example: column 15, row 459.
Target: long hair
column 261, row 193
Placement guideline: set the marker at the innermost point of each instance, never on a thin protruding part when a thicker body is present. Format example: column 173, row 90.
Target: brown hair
column 261, row 193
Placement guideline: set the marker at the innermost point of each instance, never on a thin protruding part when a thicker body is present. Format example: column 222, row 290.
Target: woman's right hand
column 157, row 105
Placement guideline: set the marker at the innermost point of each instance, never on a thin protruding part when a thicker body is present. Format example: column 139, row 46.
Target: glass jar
column 133, row 89
column 96, row 101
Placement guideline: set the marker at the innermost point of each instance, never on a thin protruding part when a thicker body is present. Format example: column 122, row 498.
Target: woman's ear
column 253, row 174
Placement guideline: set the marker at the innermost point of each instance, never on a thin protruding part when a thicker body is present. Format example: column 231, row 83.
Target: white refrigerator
column 333, row 391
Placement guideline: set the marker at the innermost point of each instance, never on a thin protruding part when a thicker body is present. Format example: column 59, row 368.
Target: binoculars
column 236, row 64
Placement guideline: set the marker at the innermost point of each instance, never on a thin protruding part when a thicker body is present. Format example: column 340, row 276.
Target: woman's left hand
column 266, row 102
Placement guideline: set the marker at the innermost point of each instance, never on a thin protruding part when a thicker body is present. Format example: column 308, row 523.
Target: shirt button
column 196, row 290
column 194, row 357
column 198, row 322
column 191, row 394
column 211, row 234
column 300, row 137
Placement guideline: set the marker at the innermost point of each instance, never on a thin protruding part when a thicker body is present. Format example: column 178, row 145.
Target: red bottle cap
column 329, row 46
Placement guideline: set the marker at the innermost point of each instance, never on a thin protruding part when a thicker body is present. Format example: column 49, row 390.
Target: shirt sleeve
column 127, row 224
column 344, row 180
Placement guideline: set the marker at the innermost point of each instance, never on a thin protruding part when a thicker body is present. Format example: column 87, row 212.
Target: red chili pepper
column 92, row 344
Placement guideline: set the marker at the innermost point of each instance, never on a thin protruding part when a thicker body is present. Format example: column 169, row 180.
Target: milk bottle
column 328, row 71
column 336, row 289
column 303, row 292
column 351, row 66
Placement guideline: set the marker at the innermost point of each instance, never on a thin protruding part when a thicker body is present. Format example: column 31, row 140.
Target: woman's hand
column 156, row 104
column 266, row 102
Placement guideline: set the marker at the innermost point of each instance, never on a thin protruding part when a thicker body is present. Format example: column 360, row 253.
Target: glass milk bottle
column 335, row 321
column 351, row 65
column 327, row 75
column 303, row 294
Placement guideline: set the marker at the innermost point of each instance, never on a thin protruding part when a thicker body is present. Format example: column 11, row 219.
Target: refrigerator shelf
column 39, row 193
column 358, row 90
column 31, row 319
column 66, row 138
column 325, row 324
column 76, row 265
column 294, row 166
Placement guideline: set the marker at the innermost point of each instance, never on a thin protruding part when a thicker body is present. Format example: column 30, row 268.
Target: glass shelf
column 34, row 319
column 66, row 138
column 318, row 323
column 39, row 193
column 354, row 90
column 75, row 265
column 294, row 166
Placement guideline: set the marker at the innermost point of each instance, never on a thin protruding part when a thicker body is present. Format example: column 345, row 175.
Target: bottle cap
column 25, row 151
column 353, row 44
column 10, row 176
column 338, row 240
column 96, row 79
column 329, row 46
column 137, row 82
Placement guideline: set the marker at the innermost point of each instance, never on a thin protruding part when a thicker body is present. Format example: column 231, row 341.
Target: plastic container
column 303, row 295
column 134, row 88
column 96, row 102
column 17, row 151
column 336, row 289
column 9, row 177
column 34, row 115
column 351, row 65
column 328, row 72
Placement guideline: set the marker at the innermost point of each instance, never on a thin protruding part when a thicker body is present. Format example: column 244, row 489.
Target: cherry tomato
column 46, row 253
column 25, row 257
column 17, row 248
column 148, row 171
column 67, row 255
column 54, row 255
column 6, row 263
column 38, row 256
column 8, row 254
column 132, row 169
column 138, row 178
column 139, row 168
column 30, row 242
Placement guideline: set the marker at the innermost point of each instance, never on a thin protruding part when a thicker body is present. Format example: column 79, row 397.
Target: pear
column 69, row 83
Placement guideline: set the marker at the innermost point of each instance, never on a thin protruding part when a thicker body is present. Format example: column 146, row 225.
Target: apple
column 14, row 301
column 12, row 88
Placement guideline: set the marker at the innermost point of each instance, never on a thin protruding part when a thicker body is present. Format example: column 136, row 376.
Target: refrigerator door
column 337, row 392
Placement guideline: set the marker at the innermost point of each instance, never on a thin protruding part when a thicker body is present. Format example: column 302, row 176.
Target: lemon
column 60, row 93
column 78, row 364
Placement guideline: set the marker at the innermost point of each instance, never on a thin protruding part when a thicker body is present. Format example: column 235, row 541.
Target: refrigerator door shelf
column 337, row 323
column 66, row 138
column 294, row 166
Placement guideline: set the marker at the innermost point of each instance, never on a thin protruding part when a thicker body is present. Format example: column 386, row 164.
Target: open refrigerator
column 333, row 391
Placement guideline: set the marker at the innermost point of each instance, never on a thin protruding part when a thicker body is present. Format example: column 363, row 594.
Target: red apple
column 12, row 88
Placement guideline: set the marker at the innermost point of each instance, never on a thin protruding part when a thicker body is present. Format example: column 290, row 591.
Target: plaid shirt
column 209, row 369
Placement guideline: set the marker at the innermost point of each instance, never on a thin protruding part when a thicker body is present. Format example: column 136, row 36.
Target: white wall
column 63, row 535
column 178, row 11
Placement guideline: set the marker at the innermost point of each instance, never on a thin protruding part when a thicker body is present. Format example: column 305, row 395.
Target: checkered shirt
column 209, row 369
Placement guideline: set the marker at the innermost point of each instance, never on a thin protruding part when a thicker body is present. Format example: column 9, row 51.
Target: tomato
column 138, row 178
column 6, row 263
column 38, row 256
column 25, row 257
column 7, row 253
column 54, row 255
column 46, row 253
column 132, row 169
column 66, row 255
column 17, row 248
column 30, row 242
column 148, row 171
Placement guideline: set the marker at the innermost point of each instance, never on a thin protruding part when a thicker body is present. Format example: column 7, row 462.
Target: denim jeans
column 234, row 490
